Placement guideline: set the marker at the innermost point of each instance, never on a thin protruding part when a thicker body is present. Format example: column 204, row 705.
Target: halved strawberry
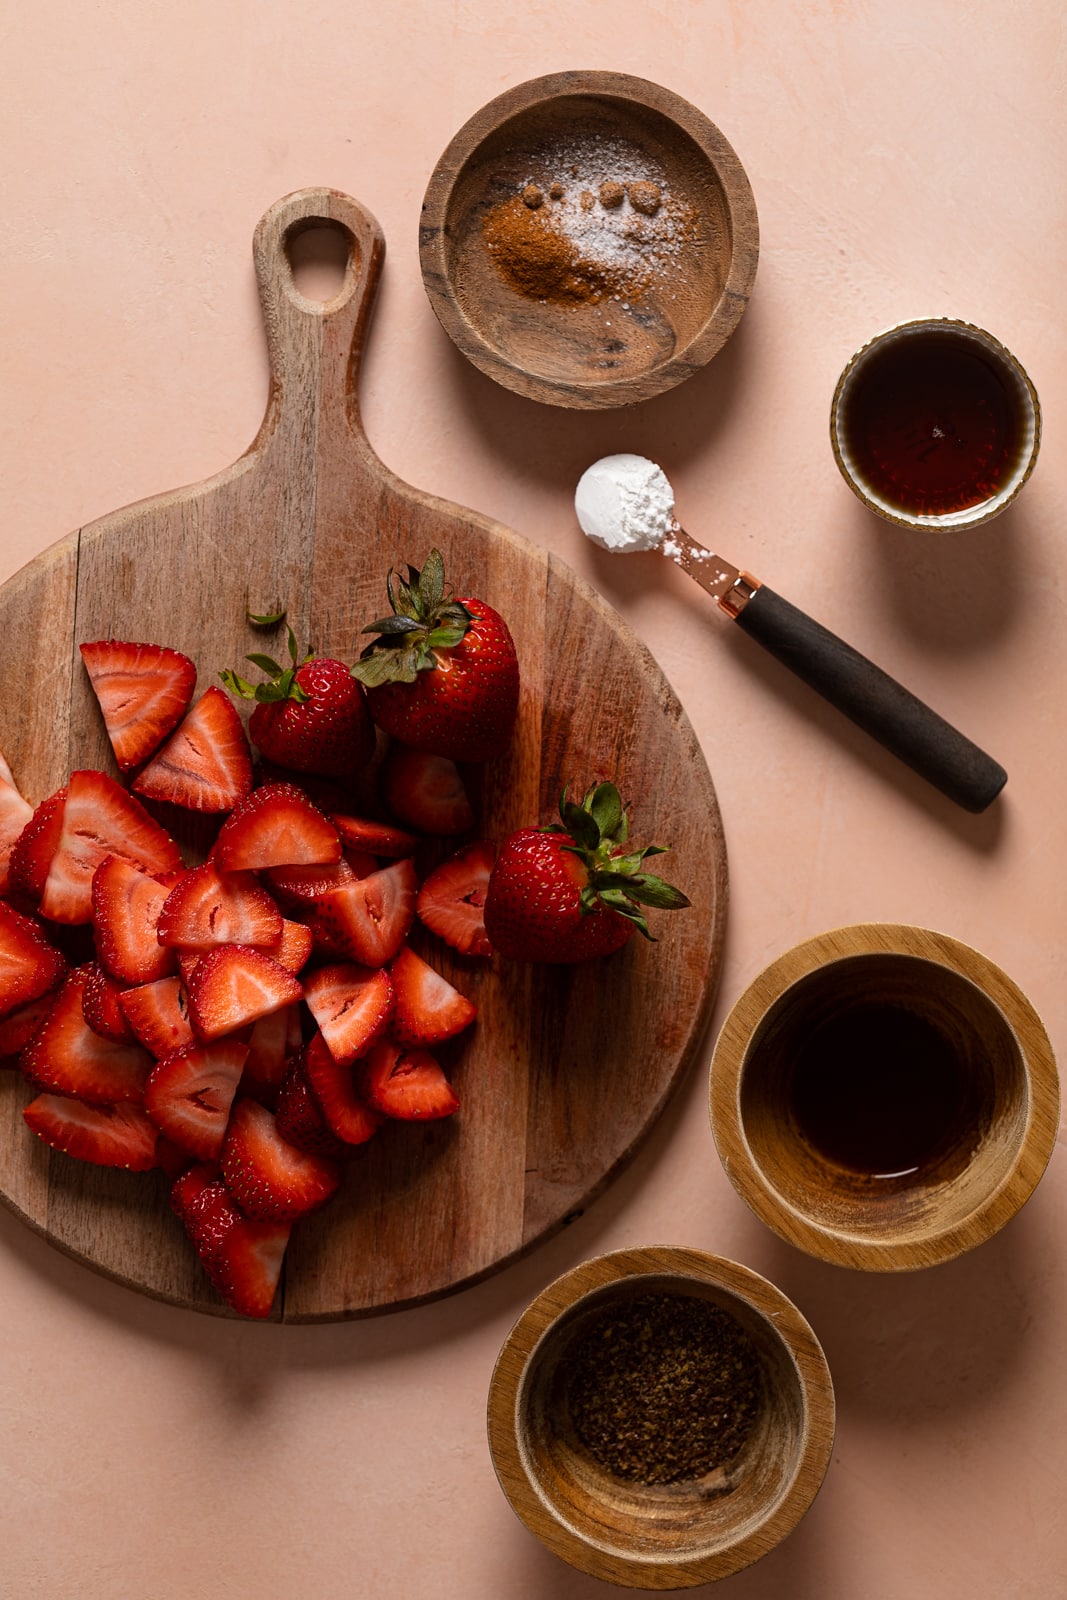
column 18, row 1029
column 100, row 819
column 235, row 984
column 242, row 1258
column 34, row 850
column 101, row 1008
column 207, row 908
column 374, row 838
column 206, row 764
column 334, row 1088
column 293, row 949
column 126, row 906
column 276, row 826
column 369, row 920
column 110, row 1136
column 15, row 813
column 30, row 965
column 143, row 690
column 451, row 900
column 295, row 888
column 189, row 1094
column 406, row 1083
column 352, row 1006
column 271, row 1042
column 66, row 1056
column 425, row 791
column 428, row 1009
column 158, row 1013
column 269, row 1178
column 300, row 1118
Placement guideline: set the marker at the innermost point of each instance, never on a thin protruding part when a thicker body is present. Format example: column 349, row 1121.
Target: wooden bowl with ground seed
column 661, row 1418
column 589, row 239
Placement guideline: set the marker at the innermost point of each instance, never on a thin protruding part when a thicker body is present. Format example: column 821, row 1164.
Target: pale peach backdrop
column 907, row 157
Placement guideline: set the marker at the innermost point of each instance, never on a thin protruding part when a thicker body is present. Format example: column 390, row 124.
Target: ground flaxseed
column 665, row 1388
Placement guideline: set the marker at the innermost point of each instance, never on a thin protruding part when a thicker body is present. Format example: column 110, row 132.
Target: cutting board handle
column 315, row 347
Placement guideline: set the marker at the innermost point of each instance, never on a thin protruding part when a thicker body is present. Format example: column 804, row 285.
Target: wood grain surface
column 626, row 348
column 565, row 1069
column 665, row 1536
column 1007, row 1109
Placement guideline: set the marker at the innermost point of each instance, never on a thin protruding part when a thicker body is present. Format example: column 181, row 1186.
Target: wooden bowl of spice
column 884, row 1097
column 589, row 239
column 660, row 1417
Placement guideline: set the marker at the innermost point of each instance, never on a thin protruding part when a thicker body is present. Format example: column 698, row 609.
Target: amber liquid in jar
column 879, row 1091
column 931, row 425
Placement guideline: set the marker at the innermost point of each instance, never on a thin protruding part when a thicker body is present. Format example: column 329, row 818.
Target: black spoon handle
column 873, row 700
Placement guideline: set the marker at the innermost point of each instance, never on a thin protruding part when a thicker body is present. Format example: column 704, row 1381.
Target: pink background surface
column 907, row 159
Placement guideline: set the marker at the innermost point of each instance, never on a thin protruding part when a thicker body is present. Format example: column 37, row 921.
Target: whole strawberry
column 571, row 892
column 310, row 716
column 443, row 676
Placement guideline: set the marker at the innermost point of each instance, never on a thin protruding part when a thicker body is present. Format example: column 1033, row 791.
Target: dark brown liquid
column 931, row 426
column 878, row 1090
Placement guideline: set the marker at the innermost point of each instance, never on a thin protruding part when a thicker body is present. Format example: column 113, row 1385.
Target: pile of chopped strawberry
column 246, row 1022
column 242, row 1023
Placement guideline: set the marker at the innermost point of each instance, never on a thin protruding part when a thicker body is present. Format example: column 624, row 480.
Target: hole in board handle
column 320, row 256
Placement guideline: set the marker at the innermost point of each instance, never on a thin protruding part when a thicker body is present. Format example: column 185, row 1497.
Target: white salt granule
column 625, row 503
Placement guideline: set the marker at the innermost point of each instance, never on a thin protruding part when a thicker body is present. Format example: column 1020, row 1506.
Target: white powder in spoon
column 625, row 503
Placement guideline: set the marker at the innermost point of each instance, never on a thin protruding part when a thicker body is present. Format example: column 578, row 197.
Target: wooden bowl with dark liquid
column 629, row 262
column 884, row 1097
column 723, row 1503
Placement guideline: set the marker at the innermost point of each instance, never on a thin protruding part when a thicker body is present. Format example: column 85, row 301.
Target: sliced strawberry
column 110, row 1136
column 188, row 961
column 425, row 791
column 206, row 764
column 126, row 906
column 300, row 1118
column 352, row 1006
column 270, row 1179
column 143, row 690
column 100, row 819
column 207, row 908
column 277, row 826
column 189, row 1094
column 428, row 1009
column 242, row 1258
column 293, row 948
column 295, row 888
column 15, row 813
column 18, row 1029
column 248, row 1265
column 369, row 920
column 271, row 1042
column 66, row 1056
column 374, row 838
column 101, row 1008
column 234, row 985
column 30, row 965
column 407, row 1083
column 34, row 850
column 333, row 1085
column 158, row 1013
column 451, row 900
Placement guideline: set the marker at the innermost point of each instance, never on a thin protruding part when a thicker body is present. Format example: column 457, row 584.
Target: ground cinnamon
column 541, row 262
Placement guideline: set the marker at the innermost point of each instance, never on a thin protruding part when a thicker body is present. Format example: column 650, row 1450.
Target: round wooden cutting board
column 565, row 1069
